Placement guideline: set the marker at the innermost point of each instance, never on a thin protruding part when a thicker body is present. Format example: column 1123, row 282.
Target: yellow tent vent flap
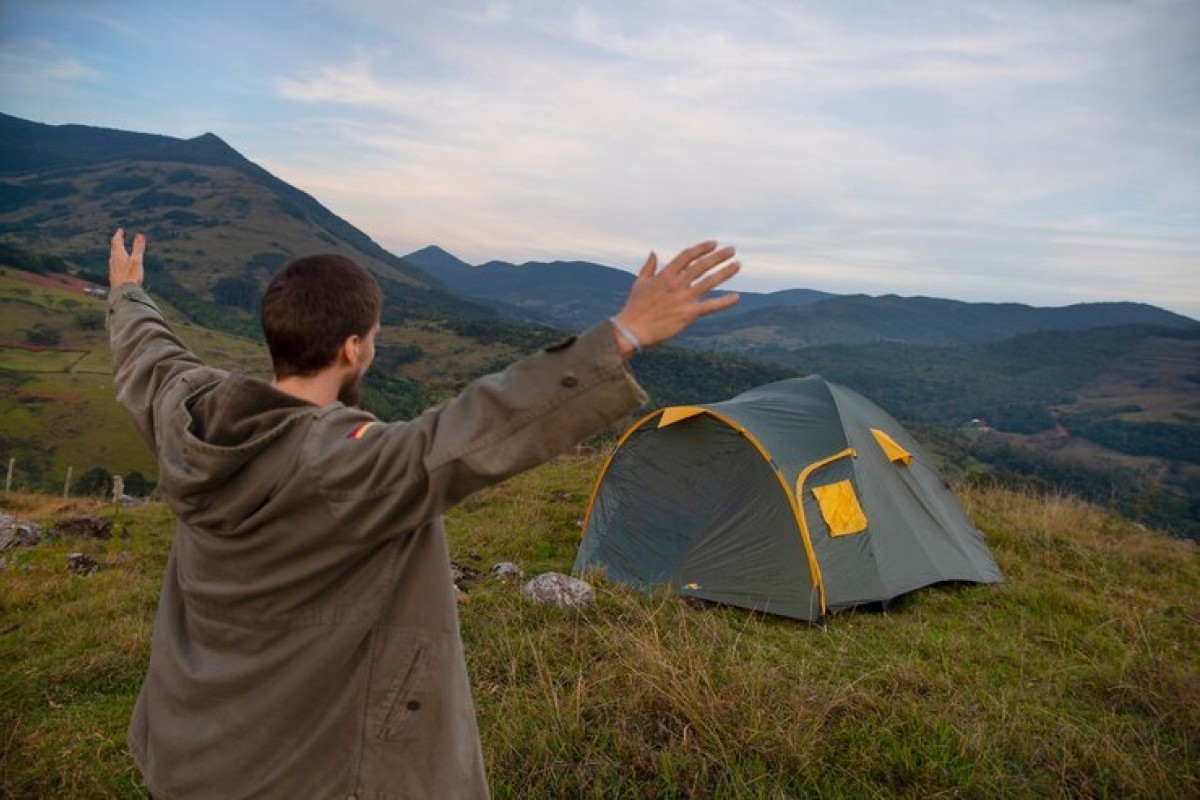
column 840, row 508
column 678, row 414
column 895, row 453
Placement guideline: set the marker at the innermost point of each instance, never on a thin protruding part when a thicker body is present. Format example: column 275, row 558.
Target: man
column 306, row 643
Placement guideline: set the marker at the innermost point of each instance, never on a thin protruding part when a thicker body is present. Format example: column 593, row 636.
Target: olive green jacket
column 306, row 643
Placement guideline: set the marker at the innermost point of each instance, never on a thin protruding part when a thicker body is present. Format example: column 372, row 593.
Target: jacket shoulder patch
column 360, row 430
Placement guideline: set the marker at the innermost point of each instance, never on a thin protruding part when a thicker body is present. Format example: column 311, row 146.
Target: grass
column 1076, row 677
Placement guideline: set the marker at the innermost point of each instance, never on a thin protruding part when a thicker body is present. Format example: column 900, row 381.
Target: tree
column 95, row 482
column 136, row 485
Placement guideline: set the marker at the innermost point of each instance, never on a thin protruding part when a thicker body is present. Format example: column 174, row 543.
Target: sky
column 1038, row 152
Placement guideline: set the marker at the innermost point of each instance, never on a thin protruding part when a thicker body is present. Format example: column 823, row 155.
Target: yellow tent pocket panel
column 895, row 453
column 840, row 508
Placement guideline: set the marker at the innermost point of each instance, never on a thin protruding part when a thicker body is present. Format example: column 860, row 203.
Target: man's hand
column 124, row 267
column 662, row 304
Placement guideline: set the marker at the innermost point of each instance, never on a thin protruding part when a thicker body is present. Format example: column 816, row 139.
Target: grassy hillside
column 57, row 408
column 1077, row 677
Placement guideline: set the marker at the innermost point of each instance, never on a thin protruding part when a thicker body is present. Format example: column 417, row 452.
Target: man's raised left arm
column 147, row 355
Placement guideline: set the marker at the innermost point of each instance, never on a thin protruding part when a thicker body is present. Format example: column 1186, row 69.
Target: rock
column 87, row 526
column 81, row 564
column 508, row 571
column 18, row 532
column 462, row 574
column 559, row 590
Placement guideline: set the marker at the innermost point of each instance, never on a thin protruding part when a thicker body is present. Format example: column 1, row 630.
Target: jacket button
column 413, row 705
column 569, row 381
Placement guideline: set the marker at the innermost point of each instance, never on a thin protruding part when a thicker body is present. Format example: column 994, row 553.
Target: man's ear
column 350, row 350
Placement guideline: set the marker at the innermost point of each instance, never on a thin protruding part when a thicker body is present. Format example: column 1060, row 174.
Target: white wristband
column 626, row 334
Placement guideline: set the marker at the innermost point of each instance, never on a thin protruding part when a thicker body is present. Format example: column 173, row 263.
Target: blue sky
column 1039, row 152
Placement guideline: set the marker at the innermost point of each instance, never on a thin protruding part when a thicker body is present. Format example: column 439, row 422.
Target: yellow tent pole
column 587, row 514
column 799, row 497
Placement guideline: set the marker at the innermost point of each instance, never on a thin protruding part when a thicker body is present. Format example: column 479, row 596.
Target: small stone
column 18, row 532
column 81, row 564
column 508, row 571
column 558, row 589
column 462, row 574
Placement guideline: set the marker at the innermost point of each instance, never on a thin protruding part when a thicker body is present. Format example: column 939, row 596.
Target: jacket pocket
column 406, row 696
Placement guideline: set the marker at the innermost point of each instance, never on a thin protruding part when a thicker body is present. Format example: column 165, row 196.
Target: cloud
column 31, row 62
column 981, row 144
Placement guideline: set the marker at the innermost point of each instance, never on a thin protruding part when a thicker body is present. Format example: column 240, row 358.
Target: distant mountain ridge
column 564, row 293
column 567, row 292
column 860, row 319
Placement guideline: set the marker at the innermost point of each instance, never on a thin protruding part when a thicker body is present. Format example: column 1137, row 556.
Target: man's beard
column 350, row 392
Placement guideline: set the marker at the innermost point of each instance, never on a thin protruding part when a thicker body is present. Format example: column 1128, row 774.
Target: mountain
column 564, row 293
column 765, row 325
column 860, row 319
column 219, row 225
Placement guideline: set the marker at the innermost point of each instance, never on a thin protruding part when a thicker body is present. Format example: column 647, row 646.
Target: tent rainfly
column 799, row 498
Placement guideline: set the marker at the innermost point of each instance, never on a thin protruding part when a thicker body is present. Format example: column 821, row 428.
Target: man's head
column 312, row 308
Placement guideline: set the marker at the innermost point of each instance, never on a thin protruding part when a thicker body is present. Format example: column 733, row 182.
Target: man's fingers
column 139, row 247
column 650, row 265
column 716, row 278
column 688, row 256
column 716, row 304
column 702, row 265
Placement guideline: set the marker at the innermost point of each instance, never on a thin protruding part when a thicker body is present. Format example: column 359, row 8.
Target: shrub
column 43, row 334
column 90, row 320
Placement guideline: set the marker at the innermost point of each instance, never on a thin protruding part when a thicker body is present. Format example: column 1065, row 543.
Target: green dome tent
column 798, row 498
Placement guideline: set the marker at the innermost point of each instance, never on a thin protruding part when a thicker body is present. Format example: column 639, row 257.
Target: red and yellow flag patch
column 358, row 431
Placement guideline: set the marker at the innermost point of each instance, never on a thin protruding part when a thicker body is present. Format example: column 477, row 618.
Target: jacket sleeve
column 147, row 355
column 388, row 479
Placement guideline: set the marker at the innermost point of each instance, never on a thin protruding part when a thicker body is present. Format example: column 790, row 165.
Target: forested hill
column 1111, row 413
column 859, row 319
column 768, row 325
column 565, row 293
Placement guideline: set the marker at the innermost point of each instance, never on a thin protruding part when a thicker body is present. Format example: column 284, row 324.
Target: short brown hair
column 312, row 306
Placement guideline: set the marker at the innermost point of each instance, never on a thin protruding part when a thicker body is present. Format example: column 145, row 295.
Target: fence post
column 118, row 487
column 8, row 480
column 67, row 484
